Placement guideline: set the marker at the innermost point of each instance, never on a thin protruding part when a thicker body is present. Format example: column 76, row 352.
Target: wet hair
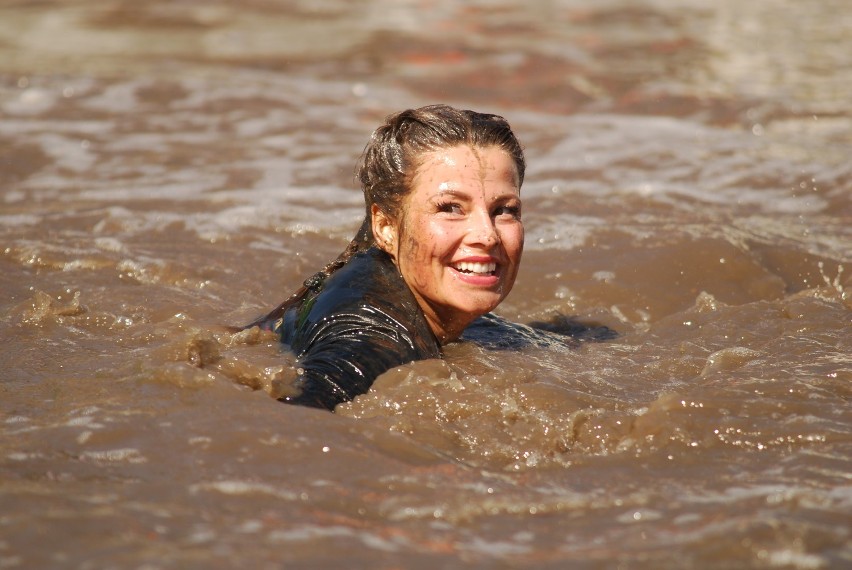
column 391, row 158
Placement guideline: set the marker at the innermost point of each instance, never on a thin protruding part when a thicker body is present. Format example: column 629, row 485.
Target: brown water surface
column 168, row 168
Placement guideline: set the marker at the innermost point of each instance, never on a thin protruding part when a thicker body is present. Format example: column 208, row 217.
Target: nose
column 482, row 230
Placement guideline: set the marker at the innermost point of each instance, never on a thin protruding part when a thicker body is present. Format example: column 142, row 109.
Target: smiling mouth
column 475, row 268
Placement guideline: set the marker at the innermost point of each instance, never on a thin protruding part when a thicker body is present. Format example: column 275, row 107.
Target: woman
column 439, row 247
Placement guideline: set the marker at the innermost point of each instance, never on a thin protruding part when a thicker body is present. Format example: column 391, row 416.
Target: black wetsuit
column 351, row 327
column 363, row 320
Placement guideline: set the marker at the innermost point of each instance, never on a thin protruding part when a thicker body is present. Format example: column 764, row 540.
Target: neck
column 445, row 329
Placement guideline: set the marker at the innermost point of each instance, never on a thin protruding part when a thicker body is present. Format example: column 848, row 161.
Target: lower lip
column 475, row 279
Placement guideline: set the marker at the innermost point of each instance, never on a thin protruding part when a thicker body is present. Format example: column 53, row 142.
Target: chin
column 479, row 307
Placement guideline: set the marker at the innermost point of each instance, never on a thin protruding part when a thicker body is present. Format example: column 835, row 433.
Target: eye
column 508, row 211
column 449, row 208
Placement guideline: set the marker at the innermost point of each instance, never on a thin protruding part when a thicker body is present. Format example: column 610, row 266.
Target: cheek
column 513, row 239
column 423, row 242
column 415, row 252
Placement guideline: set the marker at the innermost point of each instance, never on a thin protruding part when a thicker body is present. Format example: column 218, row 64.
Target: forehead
column 465, row 164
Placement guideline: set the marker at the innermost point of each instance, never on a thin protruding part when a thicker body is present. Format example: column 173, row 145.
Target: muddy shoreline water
column 171, row 169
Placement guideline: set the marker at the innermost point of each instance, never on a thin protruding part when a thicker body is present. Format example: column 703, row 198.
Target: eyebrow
column 455, row 193
column 461, row 194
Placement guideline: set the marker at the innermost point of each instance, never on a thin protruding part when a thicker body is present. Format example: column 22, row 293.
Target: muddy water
column 168, row 168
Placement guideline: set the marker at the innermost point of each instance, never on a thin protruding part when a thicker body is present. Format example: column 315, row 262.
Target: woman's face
column 459, row 239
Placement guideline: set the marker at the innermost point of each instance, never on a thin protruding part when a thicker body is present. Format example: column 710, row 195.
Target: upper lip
column 485, row 262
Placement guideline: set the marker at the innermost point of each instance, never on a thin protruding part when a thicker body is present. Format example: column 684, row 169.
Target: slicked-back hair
column 390, row 160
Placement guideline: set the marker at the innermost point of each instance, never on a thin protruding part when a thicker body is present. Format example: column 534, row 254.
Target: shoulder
column 365, row 301
column 369, row 279
column 497, row 333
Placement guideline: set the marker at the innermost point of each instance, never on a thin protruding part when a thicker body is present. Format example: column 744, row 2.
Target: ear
column 384, row 230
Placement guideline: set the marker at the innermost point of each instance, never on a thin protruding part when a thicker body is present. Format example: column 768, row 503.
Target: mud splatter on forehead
column 482, row 169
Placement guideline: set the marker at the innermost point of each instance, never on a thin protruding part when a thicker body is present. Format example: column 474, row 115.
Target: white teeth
column 470, row 267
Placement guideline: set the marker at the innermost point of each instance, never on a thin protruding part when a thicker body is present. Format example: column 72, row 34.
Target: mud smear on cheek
column 416, row 259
